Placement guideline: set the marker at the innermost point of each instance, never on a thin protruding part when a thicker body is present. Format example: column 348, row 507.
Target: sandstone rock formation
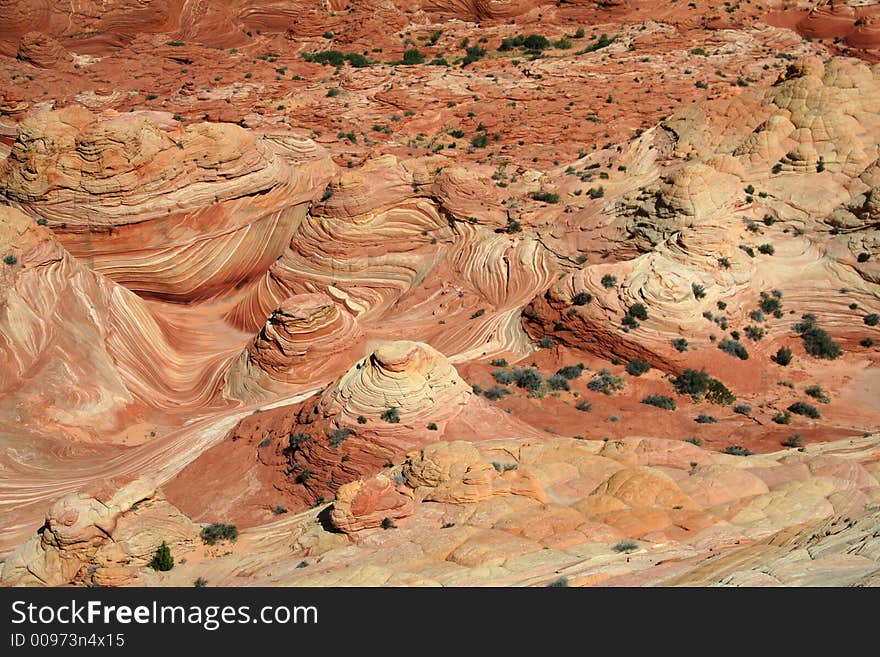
column 103, row 540
column 178, row 197
column 440, row 292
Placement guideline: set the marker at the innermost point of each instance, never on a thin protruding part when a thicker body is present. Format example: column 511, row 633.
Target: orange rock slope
column 440, row 292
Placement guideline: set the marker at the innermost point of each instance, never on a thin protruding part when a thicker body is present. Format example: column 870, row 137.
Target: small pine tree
column 162, row 560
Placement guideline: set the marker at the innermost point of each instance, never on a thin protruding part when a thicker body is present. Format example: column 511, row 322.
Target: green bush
column 737, row 450
column 536, row 42
column 702, row 418
column 660, row 401
column 692, row 382
column 639, row 311
column 571, row 371
column 637, row 367
column 581, row 298
column 817, row 342
column 817, row 393
column 558, row 382
column 871, row 320
column 337, row 436
column 782, row 357
column 680, row 344
column 162, row 560
column 605, row 382
column 803, row 408
column 496, row 392
column 545, row 197
column 412, row 57
column 742, row 409
column 734, row 348
column 718, row 393
column 529, row 379
column 782, row 418
column 390, row 415
column 217, row 531
column 609, row 281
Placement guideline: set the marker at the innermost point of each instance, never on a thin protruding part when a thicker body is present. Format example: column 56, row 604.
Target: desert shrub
column 605, row 382
column 680, row 344
column 583, row 405
column 361, row 419
column 217, row 531
column 734, row 348
column 698, row 290
column 803, row 408
column 694, row 441
column 817, row 342
column 817, row 393
column 660, row 401
column 546, row 342
column 529, row 378
column 871, row 320
column 637, row 367
column 625, row 545
column 866, row 342
column 278, row 510
column 498, row 362
column 737, row 450
column 478, row 313
column 536, row 42
column 480, row 140
column 582, row 298
column 782, row 356
column 562, row 582
column 782, row 418
column 390, row 415
column 200, row 582
column 337, row 436
column 412, row 57
column 754, row 333
column 558, row 382
column 638, row 311
column 504, row 377
column 609, row 281
column 769, row 303
column 767, row 249
column 692, row 382
column 298, row 439
column 162, row 560
column 496, row 392
column 388, row 523
column 718, row 393
column 571, row 371
column 793, row 440
column 702, row 418
column 742, row 409
column 432, row 426
column 10, row 260
column 545, row 197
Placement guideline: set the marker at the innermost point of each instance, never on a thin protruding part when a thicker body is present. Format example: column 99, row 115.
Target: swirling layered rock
column 157, row 208
column 400, row 397
column 300, row 340
column 78, row 351
column 367, row 503
column 42, row 50
column 103, row 539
